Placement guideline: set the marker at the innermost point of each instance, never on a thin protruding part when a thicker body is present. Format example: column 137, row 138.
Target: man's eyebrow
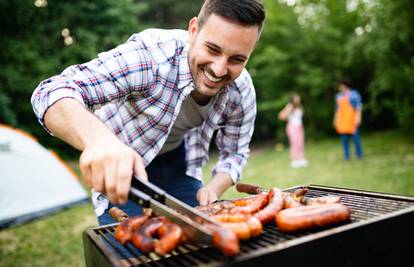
column 216, row 47
column 212, row 45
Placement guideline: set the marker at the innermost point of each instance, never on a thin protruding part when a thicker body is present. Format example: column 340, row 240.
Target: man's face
column 218, row 53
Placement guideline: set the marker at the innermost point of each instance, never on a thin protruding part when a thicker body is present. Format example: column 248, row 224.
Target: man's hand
column 214, row 189
column 206, row 196
column 107, row 165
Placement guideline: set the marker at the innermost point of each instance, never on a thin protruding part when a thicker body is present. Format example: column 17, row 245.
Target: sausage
column 143, row 237
column 311, row 217
column 320, row 200
column 170, row 237
column 275, row 204
column 289, row 201
column 227, row 217
column 245, row 226
column 243, row 201
column 250, row 205
column 249, row 189
column 225, row 240
column 241, row 229
column 256, row 227
column 118, row 214
column 125, row 230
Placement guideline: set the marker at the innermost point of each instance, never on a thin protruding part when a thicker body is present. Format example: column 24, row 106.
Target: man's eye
column 238, row 60
column 213, row 50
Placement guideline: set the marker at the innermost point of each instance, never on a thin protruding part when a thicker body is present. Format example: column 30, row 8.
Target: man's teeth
column 211, row 78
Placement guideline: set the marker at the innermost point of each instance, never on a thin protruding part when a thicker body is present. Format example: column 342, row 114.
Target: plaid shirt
column 137, row 90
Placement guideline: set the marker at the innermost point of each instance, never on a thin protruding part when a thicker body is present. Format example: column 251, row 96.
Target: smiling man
column 150, row 106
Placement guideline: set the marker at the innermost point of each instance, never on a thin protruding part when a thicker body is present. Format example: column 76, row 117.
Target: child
column 292, row 113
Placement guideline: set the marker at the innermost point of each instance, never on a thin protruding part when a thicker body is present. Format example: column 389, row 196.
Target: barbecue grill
column 378, row 234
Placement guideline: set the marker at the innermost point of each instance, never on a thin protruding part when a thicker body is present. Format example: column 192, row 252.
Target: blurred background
column 306, row 46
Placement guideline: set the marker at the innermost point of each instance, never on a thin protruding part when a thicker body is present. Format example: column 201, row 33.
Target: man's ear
column 192, row 29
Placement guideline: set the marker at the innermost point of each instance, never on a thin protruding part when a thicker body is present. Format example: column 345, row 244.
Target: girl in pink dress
column 293, row 113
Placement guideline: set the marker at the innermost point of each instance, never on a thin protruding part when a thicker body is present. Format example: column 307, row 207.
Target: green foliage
column 306, row 45
column 33, row 48
column 390, row 46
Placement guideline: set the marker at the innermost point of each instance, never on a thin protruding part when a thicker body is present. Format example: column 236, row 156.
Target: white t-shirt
column 190, row 116
column 295, row 117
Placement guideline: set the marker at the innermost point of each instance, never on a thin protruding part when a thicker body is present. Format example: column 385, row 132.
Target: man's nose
column 219, row 67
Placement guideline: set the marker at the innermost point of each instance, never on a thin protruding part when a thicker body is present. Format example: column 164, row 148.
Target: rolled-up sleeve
column 234, row 137
column 113, row 76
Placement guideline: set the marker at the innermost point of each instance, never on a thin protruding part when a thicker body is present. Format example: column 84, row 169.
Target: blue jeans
column 357, row 142
column 168, row 172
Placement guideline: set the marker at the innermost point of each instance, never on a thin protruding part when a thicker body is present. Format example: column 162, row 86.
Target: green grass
column 388, row 167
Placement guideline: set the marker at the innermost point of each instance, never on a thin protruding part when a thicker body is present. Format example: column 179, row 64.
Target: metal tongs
column 151, row 196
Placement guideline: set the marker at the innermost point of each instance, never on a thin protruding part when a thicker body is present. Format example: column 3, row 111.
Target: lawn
column 388, row 166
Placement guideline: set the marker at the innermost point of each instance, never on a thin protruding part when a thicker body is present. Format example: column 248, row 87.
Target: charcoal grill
column 379, row 234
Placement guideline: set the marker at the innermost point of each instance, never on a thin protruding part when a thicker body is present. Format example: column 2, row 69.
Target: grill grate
column 365, row 206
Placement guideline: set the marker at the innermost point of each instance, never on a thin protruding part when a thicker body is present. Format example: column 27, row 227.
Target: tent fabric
column 34, row 181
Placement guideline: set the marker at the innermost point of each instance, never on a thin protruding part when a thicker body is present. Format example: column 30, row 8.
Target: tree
column 35, row 46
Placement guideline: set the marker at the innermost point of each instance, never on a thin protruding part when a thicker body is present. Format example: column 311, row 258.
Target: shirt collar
column 184, row 73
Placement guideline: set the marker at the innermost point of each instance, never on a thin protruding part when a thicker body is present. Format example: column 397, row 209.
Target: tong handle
column 139, row 197
column 149, row 189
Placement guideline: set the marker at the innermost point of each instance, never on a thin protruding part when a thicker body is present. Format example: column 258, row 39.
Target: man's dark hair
column 245, row 12
column 345, row 81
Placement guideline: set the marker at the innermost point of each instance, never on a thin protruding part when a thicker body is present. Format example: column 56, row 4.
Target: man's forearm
column 70, row 121
column 220, row 183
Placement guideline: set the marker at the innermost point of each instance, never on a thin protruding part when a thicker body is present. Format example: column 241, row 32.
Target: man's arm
column 106, row 163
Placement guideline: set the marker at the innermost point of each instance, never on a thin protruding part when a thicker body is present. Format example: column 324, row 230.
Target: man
column 156, row 101
column 347, row 118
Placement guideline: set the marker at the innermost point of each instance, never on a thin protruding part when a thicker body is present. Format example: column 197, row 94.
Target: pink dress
column 296, row 134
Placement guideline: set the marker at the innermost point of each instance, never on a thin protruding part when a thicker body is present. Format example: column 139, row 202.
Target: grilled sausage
column 225, row 240
column 289, row 201
column 320, row 200
column 245, row 226
column 170, row 237
column 256, row 227
column 241, row 229
column 143, row 237
column 275, row 204
column 249, row 189
column 118, row 214
column 250, row 205
column 311, row 217
column 125, row 230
